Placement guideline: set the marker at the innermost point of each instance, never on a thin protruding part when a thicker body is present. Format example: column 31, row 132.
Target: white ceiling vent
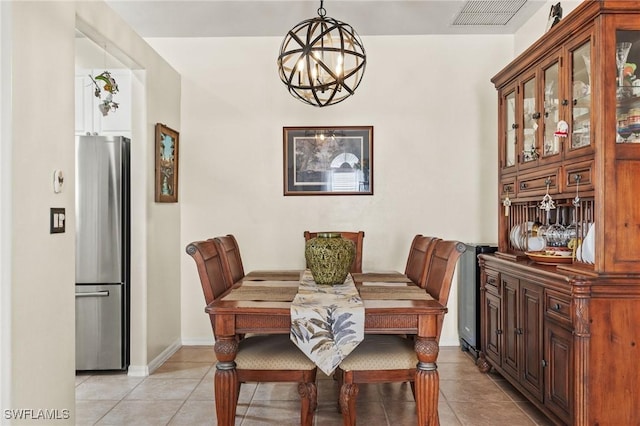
column 488, row 12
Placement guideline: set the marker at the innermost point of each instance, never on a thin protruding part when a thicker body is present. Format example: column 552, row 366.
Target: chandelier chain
column 321, row 10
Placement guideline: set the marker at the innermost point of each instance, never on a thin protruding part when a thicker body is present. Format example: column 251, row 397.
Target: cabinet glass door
column 581, row 95
column 628, row 86
column 530, row 122
column 509, row 149
column 551, row 115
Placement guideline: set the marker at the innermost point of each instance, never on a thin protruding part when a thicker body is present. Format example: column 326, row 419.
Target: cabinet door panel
column 492, row 329
column 509, row 125
column 551, row 111
column 531, row 330
column 530, row 116
column 558, row 384
column 580, row 137
column 511, row 353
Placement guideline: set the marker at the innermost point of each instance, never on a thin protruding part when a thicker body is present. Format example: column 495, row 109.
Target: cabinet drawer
column 492, row 282
column 579, row 172
column 557, row 306
column 536, row 183
column 508, row 187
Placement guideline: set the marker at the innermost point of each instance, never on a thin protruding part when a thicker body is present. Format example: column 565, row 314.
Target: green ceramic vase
column 329, row 257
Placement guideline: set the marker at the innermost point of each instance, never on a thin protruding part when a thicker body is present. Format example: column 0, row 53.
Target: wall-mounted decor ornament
column 322, row 60
column 110, row 87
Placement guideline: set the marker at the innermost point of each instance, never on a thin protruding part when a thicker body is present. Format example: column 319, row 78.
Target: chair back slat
column 356, row 237
column 210, row 270
column 440, row 268
column 419, row 254
column 231, row 259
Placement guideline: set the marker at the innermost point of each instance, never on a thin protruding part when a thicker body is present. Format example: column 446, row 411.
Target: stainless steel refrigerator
column 102, row 252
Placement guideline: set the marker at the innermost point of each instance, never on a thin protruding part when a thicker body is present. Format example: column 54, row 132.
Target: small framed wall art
column 328, row 160
column 166, row 164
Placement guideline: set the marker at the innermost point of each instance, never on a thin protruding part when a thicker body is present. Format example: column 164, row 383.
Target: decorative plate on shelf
column 549, row 259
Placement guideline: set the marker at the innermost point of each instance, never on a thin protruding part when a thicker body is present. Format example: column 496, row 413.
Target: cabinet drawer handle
column 498, row 331
column 523, row 185
column 556, row 307
column 544, row 363
column 519, row 331
column 535, row 115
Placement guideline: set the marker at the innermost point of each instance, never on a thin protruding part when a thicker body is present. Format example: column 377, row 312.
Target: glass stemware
column 622, row 52
column 556, row 236
column 587, row 63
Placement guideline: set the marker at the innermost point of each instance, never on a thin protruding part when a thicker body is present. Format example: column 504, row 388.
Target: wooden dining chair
column 419, row 253
column 356, row 237
column 260, row 358
column 392, row 358
column 231, row 260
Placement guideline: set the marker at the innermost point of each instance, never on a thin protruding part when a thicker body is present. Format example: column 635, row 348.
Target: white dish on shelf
column 588, row 245
column 579, row 252
column 512, row 236
column 536, row 243
column 518, row 236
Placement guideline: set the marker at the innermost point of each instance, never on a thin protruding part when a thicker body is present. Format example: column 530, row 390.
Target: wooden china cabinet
column 564, row 328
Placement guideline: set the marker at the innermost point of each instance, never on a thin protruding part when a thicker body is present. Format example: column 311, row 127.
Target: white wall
column 5, row 206
column 433, row 109
column 42, row 361
column 535, row 27
column 38, row 328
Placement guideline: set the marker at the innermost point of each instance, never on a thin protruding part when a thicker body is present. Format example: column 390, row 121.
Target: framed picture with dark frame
column 166, row 164
column 328, row 160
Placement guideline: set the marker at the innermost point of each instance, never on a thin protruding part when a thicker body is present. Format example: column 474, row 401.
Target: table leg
column 427, row 382
column 225, row 380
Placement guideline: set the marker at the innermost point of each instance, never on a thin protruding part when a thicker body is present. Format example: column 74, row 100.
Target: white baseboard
column 449, row 341
column 138, row 371
column 208, row 341
column 145, row 370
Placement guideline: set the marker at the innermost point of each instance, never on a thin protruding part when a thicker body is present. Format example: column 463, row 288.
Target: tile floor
column 180, row 392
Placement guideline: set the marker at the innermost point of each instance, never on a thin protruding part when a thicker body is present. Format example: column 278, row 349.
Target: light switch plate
column 57, row 220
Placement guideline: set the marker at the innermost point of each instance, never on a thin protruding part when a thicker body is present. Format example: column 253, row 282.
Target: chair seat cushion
column 381, row 352
column 271, row 352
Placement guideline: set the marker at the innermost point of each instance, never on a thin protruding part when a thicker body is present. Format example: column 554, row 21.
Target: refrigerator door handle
column 104, row 293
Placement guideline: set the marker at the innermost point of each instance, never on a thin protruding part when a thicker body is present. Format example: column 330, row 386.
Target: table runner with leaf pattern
column 327, row 322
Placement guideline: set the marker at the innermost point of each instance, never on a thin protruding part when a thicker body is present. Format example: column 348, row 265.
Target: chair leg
column 338, row 376
column 348, row 397
column 309, row 400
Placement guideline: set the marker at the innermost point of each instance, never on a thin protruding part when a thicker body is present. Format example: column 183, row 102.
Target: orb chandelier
column 322, row 60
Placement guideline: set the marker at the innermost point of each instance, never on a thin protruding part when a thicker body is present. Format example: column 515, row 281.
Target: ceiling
column 264, row 18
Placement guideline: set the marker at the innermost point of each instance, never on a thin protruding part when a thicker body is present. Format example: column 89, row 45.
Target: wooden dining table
column 241, row 310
